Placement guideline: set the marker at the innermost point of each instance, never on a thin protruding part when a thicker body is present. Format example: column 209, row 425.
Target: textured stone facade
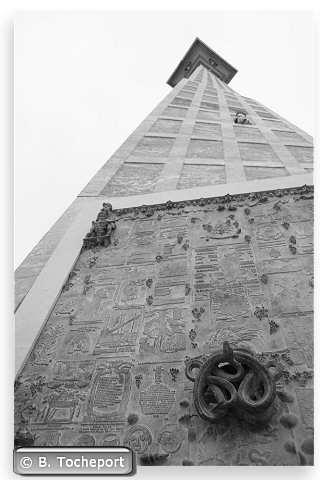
column 158, row 288
column 209, row 100
column 176, row 281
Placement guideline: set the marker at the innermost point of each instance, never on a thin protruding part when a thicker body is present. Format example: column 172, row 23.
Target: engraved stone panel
column 166, row 126
column 138, row 438
column 189, row 88
column 133, row 179
column 291, row 293
column 201, row 175
column 171, row 437
column 210, row 98
column 257, row 152
column 265, row 114
column 111, row 258
column 120, row 332
column 154, row 146
column 305, row 400
column 209, row 105
column 210, row 130
column 175, row 112
column 210, row 91
column 110, row 392
column 181, row 101
column 270, row 235
column 289, row 137
column 185, row 94
column 193, row 83
column 302, row 154
column 257, row 173
column 299, row 339
column 234, row 103
column 233, row 442
column 76, row 371
column 218, row 266
column 243, row 131
column 164, row 331
column 234, row 110
column 169, row 292
column 133, row 288
column 205, row 149
column 206, row 115
column 156, row 399
column 274, row 123
column 182, row 278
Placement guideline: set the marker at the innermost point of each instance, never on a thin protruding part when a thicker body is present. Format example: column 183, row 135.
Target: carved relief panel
column 177, row 281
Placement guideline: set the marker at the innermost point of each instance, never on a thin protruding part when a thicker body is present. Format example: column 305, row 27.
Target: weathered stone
column 176, row 280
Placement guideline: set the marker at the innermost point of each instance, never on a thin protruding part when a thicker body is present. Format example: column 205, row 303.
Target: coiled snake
column 234, row 381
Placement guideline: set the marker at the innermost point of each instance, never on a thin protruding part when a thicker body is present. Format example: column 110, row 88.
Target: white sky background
column 85, row 80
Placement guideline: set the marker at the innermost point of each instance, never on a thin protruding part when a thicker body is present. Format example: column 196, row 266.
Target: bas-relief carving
column 291, row 293
column 158, row 398
column 299, row 339
column 107, row 351
column 164, row 331
column 120, row 332
column 46, row 345
column 252, row 338
column 305, row 401
column 88, row 308
column 110, row 392
column 133, row 288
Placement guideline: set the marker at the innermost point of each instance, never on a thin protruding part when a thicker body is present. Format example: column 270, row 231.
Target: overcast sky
column 85, row 80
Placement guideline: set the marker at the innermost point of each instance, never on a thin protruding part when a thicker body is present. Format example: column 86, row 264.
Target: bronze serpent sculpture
column 234, row 381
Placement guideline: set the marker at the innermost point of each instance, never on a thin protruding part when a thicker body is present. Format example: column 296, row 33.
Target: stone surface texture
column 120, row 333
column 177, row 280
column 181, row 118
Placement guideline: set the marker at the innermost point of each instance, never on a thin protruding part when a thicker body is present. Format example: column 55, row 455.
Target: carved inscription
column 157, row 398
column 110, row 391
column 176, row 282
